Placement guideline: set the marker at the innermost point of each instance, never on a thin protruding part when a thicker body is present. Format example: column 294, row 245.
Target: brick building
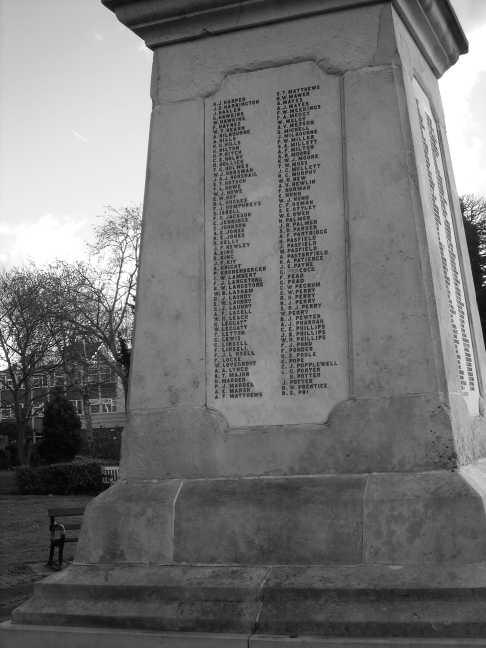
column 105, row 392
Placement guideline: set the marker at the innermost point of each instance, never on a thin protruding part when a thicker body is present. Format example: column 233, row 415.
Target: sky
column 74, row 118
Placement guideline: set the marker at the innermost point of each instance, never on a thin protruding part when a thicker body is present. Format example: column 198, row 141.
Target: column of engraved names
column 233, row 283
column 301, row 323
column 448, row 256
column 450, row 252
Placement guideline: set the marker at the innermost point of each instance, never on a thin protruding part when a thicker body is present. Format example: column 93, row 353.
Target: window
column 78, row 406
column 38, row 409
column 95, row 408
column 5, row 382
column 39, row 381
column 108, row 390
column 108, row 405
column 106, row 375
column 6, row 411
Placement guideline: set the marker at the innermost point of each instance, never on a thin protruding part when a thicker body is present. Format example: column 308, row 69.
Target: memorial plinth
column 306, row 430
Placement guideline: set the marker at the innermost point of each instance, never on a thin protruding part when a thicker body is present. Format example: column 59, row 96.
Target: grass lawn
column 24, row 543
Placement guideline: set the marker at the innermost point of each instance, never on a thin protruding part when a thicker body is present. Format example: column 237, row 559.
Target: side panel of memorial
column 442, row 238
column 275, row 247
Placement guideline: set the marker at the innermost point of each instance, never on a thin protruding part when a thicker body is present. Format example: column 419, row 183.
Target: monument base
column 22, row 636
column 346, row 601
column 414, row 518
column 346, row 556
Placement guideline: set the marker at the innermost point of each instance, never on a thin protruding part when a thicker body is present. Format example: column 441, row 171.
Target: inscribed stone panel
column 275, row 247
column 443, row 243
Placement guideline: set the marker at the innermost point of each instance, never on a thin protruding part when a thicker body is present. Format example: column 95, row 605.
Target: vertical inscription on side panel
column 275, row 268
column 445, row 240
column 301, row 244
column 233, row 283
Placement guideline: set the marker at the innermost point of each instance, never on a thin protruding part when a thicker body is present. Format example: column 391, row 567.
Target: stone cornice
column 436, row 30
column 433, row 23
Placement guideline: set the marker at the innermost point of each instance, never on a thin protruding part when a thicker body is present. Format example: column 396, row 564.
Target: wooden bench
column 62, row 531
column 110, row 474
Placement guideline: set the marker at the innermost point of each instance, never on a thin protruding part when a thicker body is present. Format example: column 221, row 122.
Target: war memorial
column 303, row 462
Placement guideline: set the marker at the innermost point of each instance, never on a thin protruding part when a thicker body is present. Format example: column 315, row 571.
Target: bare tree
column 97, row 298
column 28, row 342
column 74, row 355
column 474, row 218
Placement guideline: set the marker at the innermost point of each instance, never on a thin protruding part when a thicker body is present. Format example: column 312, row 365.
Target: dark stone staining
column 233, row 283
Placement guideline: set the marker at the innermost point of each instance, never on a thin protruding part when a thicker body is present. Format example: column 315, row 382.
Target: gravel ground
column 24, row 544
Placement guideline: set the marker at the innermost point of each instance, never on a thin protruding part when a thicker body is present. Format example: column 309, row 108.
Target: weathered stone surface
column 170, row 598
column 444, row 256
column 185, row 441
column 414, row 518
column 435, row 517
column 21, row 636
column 168, row 368
column 263, row 641
column 432, row 22
column 397, row 434
column 268, row 521
column 118, row 529
column 374, row 601
column 392, row 338
column 325, row 601
column 275, row 251
column 336, row 42
column 31, row 636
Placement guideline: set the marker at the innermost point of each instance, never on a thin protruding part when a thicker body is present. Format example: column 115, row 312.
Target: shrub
column 35, row 457
column 61, row 479
column 9, row 429
column 61, row 430
column 106, row 443
column 4, row 460
column 12, row 455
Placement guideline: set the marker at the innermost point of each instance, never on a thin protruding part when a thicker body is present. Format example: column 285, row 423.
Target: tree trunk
column 21, row 443
column 124, row 382
column 79, row 391
column 89, row 436
column 22, row 453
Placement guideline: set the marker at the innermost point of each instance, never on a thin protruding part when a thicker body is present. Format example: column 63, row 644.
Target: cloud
column 463, row 90
column 98, row 36
column 47, row 239
column 79, row 136
column 471, row 13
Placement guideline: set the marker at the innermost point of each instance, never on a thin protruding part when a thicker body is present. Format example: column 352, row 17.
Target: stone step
column 352, row 601
column 16, row 636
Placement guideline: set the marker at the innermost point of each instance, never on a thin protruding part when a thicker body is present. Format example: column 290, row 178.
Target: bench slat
column 54, row 512
column 72, row 527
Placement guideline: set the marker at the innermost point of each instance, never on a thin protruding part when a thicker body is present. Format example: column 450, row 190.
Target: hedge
column 61, row 479
column 107, row 442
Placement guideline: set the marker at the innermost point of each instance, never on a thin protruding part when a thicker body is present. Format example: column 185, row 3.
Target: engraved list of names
column 443, row 241
column 275, row 274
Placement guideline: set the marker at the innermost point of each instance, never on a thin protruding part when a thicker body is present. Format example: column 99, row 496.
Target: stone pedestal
column 304, row 450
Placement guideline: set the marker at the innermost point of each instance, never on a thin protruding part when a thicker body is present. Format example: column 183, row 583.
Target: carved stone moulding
column 433, row 23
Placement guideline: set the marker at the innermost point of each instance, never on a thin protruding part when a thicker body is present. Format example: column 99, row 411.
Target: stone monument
column 303, row 455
